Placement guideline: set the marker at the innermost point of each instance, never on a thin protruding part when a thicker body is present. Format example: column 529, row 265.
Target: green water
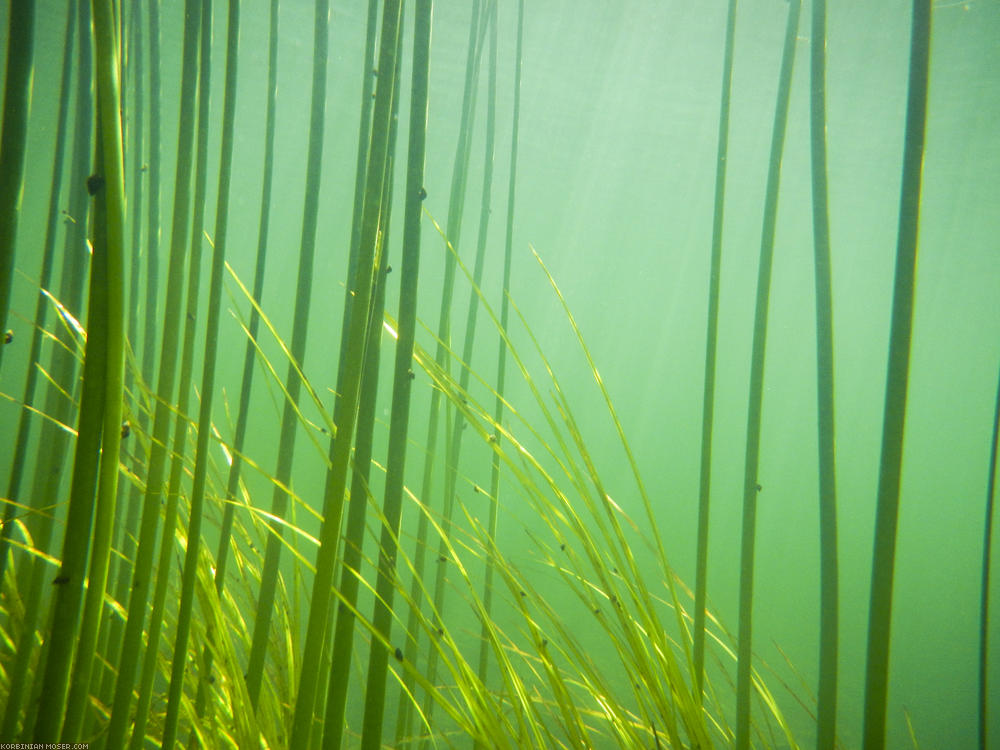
column 615, row 184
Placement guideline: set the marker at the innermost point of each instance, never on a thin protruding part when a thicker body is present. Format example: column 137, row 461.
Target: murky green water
column 615, row 185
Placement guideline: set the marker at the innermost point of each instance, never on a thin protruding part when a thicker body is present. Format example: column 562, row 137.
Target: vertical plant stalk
column 42, row 304
column 300, row 329
column 112, row 157
column 48, row 471
column 106, row 331
column 127, row 528
column 345, row 415
column 246, row 382
column 890, row 465
column 168, row 546
column 456, row 206
column 17, row 103
column 711, row 343
column 196, row 513
column 984, row 606
column 826, row 712
column 484, row 645
column 743, row 667
column 162, row 418
column 454, row 444
column 354, row 533
column 374, row 710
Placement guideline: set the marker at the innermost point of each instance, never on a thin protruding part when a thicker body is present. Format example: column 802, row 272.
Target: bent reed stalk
column 893, row 420
column 752, row 460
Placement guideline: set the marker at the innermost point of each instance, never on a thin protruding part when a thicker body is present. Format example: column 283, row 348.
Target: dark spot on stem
column 94, row 183
column 8, row 337
column 399, row 654
column 423, row 193
column 60, row 579
column 126, row 429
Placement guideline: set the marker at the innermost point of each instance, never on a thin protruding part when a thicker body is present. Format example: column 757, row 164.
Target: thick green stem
column 347, row 406
column 196, row 512
column 300, row 327
column 163, row 416
column 750, row 481
column 112, row 158
column 984, row 606
column 890, row 465
column 402, row 381
column 484, row 645
column 711, row 338
column 17, row 103
column 826, row 717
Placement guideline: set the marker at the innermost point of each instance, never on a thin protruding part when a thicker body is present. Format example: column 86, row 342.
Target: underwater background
column 615, row 178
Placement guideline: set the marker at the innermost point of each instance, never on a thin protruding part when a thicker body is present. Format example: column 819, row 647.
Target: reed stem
column 13, row 138
column 750, row 480
column 890, row 465
column 711, row 339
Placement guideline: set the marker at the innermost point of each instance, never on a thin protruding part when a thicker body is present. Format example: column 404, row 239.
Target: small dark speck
column 597, row 610
column 126, row 429
column 61, row 579
column 144, row 168
column 562, row 547
column 375, row 72
column 475, row 488
column 211, row 679
column 190, row 316
column 324, row 430
column 544, row 643
column 522, row 593
column 410, row 374
column 440, row 631
column 442, row 558
column 759, row 488
column 388, row 269
column 423, row 193
column 399, row 654
column 94, row 183
column 8, row 336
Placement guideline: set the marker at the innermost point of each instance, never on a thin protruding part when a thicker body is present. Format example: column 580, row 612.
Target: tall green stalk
column 375, row 688
column 246, row 381
column 984, row 599
column 354, row 532
column 484, row 645
column 196, row 511
column 359, row 297
column 750, row 485
column 711, row 339
column 826, row 712
column 300, row 327
column 42, row 305
column 890, row 464
column 178, row 458
column 101, row 403
column 454, row 443
column 162, row 418
column 456, row 205
column 45, row 489
column 17, row 103
column 112, row 156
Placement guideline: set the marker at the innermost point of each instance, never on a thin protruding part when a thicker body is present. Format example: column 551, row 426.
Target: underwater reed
column 890, row 464
column 711, row 343
column 17, row 102
column 750, row 481
column 826, row 709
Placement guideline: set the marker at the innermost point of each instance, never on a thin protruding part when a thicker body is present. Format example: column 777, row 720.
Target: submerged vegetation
column 152, row 594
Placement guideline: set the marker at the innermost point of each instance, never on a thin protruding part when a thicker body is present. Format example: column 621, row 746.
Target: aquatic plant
column 506, row 599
